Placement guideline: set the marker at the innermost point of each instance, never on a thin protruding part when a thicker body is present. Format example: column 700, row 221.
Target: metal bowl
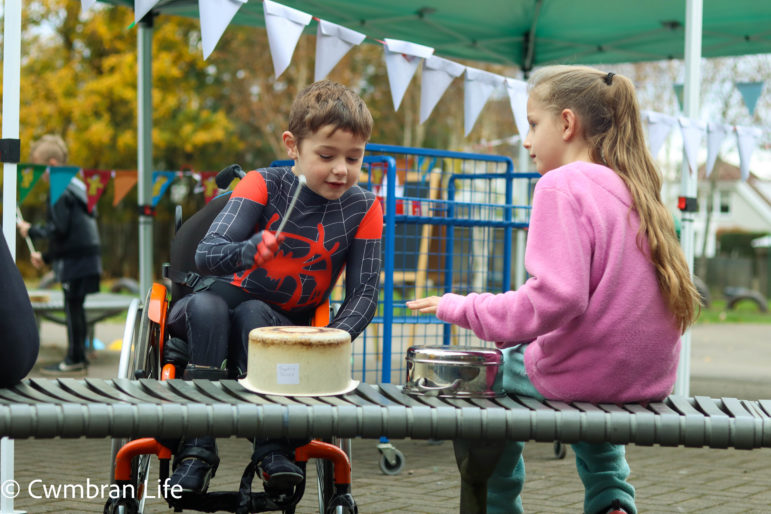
column 453, row 371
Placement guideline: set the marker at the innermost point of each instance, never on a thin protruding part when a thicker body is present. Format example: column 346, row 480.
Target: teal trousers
column 602, row 467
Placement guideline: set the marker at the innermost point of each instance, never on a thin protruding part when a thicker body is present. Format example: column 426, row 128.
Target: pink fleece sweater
column 600, row 328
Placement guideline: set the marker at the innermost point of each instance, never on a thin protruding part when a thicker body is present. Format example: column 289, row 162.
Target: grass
column 744, row 312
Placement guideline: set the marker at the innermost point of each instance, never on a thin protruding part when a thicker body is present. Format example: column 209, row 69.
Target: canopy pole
column 145, row 149
column 11, row 79
column 689, row 179
column 11, row 87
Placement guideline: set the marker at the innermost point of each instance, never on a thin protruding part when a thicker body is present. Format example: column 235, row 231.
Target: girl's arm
column 558, row 258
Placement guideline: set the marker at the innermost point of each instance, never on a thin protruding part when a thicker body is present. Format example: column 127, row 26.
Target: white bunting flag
column 86, row 4
column 141, row 7
column 716, row 134
column 402, row 60
column 747, row 139
column 518, row 97
column 332, row 43
column 284, row 26
column 659, row 127
column 692, row 131
column 215, row 16
column 479, row 86
column 438, row 73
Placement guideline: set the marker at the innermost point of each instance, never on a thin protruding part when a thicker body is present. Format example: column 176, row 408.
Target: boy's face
column 330, row 160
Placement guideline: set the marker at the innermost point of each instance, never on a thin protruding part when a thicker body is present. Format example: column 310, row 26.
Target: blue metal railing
column 489, row 210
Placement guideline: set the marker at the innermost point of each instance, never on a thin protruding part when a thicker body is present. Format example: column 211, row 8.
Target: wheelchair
column 142, row 357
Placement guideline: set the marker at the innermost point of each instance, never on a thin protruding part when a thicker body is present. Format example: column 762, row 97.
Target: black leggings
column 77, row 328
column 215, row 334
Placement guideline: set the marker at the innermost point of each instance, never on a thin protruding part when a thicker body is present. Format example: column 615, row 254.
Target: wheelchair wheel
column 140, row 478
column 325, row 479
column 146, row 350
column 143, row 361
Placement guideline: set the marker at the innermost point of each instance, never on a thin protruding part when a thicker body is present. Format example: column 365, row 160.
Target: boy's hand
column 266, row 246
column 426, row 305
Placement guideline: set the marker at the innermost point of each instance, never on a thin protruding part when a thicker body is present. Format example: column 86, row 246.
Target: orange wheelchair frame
column 132, row 459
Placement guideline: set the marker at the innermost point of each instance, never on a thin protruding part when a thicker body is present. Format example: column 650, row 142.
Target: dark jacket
column 20, row 342
column 73, row 238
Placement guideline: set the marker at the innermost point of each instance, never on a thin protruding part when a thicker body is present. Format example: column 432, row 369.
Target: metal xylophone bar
column 95, row 408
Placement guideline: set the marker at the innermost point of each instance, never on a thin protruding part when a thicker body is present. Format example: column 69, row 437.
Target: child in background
column 609, row 294
column 74, row 253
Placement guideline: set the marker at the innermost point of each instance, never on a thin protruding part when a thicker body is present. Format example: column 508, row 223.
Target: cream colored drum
column 299, row 361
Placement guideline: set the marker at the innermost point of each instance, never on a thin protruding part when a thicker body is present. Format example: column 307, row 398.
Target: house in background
column 737, row 205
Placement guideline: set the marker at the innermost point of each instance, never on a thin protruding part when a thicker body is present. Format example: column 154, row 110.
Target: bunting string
column 284, row 26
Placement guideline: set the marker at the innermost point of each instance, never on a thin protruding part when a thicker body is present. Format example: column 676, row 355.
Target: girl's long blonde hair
column 606, row 105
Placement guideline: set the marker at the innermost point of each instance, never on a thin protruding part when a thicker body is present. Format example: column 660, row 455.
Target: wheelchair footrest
column 227, row 501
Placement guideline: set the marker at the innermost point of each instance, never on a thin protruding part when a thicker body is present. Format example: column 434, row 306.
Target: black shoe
column 192, row 475
column 195, row 464
column 277, row 471
column 65, row 369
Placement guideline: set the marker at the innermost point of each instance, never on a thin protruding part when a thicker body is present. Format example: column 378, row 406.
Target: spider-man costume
column 322, row 237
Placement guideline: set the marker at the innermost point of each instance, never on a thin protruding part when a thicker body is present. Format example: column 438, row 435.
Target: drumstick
column 30, row 246
column 291, row 204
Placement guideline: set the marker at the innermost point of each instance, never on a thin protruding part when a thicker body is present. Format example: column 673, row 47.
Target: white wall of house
column 735, row 205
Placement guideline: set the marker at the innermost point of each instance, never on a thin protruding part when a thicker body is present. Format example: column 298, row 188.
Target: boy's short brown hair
column 49, row 147
column 329, row 103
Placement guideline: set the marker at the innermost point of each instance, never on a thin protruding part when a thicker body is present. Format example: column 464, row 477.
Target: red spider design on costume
column 285, row 265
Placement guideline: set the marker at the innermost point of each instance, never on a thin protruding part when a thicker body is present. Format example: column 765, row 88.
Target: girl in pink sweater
column 609, row 292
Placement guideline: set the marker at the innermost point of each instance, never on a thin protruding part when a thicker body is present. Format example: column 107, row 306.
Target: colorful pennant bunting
column 210, row 189
column 27, row 177
column 161, row 182
column 125, row 180
column 61, row 176
column 750, row 93
column 96, row 181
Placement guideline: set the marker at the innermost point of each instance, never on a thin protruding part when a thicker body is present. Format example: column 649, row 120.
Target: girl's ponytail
column 607, row 105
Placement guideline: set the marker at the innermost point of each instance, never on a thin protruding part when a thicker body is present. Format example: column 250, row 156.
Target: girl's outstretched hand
column 426, row 305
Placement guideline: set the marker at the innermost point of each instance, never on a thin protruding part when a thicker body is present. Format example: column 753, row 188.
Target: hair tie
column 609, row 78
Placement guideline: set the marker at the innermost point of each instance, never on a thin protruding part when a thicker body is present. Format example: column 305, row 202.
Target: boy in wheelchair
column 258, row 277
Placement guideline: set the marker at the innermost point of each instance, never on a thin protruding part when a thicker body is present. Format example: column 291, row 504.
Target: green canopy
column 533, row 32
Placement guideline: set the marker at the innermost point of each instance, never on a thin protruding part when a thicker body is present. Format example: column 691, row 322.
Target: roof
column 533, row 32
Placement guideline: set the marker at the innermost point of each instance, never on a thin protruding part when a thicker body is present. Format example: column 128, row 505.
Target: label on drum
column 288, row 374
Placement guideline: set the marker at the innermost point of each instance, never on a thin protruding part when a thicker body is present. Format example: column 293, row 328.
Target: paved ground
column 727, row 360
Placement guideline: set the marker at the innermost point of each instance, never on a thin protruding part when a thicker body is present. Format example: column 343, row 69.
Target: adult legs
column 75, row 315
